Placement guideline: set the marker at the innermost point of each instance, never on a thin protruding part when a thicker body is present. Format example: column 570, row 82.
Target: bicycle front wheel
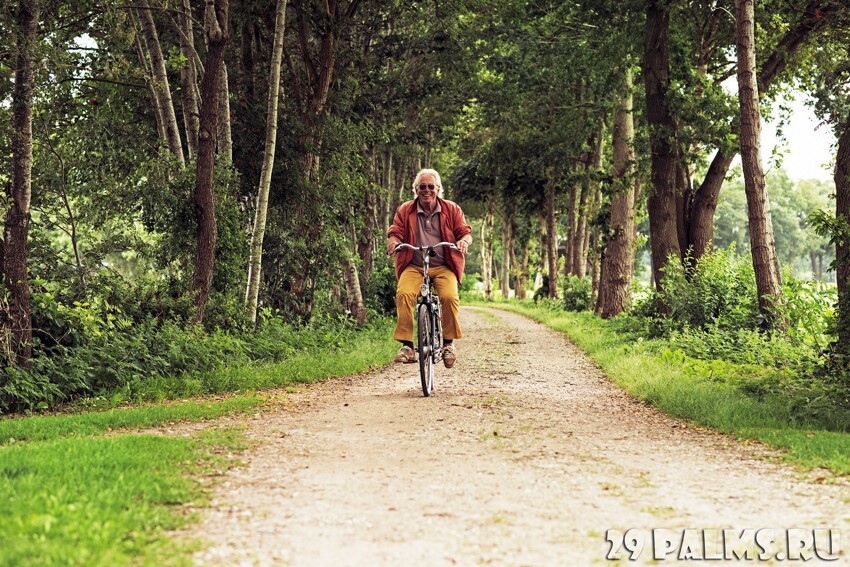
column 426, row 349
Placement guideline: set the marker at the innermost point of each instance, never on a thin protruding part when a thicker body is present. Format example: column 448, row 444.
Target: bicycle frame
column 431, row 348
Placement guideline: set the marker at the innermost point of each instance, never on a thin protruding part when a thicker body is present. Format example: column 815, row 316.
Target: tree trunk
column 354, row 297
column 543, row 268
column 160, row 81
column 841, row 177
column 514, row 272
column 618, row 256
column 763, row 246
column 579, row 244
column 204, row 195
column 259, row 230
column 552, row 233
column 703, row 205
column 189, row 80
column 486, row 252
column 684, row 198
column 522, row 281
column 18, row 320
column 661, row 204
column 570, row 243
column 225, row 139
column 505, row 281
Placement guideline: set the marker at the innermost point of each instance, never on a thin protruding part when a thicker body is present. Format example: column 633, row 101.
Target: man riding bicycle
column 425, row 221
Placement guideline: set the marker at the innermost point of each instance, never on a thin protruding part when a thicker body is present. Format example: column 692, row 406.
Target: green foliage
column 92, row 348
column 467, row 286
column 719, row 292
column 576, row 293
column 379, row 291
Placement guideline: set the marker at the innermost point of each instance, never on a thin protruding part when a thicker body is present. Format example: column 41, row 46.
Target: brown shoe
column 406, row 355
column 449, row 355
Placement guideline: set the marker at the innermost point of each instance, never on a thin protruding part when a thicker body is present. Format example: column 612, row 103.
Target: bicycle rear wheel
column 426, row 358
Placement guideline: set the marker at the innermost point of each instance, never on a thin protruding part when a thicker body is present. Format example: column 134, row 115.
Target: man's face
column 427, row 191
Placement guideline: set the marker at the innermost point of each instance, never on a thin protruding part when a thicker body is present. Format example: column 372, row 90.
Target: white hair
column 437, row 181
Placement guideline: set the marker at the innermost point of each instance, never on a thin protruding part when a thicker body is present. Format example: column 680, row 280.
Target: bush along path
column 525, row 455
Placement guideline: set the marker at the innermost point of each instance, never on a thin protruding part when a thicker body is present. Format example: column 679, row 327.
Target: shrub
column 719, row 291
column 380, row 288
column 576, row 293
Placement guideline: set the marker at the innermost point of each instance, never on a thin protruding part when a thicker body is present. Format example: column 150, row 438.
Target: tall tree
column 763, row 246
column 259, row 228
column 18, row 323
column 204, row 194
column 661, row 202
column 618, row 255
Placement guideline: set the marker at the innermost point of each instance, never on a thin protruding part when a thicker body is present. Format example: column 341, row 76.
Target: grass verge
column 70, row 495
column 682, row 389
column 103, row 500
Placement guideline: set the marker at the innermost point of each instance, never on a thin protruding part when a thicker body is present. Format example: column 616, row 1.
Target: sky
column 808, row 144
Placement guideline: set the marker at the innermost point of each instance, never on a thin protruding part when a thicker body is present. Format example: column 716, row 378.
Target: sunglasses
column 429, row 187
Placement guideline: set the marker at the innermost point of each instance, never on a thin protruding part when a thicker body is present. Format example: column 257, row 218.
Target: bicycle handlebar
column 401, row 245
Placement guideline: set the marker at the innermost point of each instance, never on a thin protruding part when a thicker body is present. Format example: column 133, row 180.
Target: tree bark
column 661, row 204
column 522, row 282
column 763, row 246
column 570, row 243
column 204, row 195
column 579, row 260
column 225, row 138
column 487, row 252
column 505, row 281
column 544, row 240
column 841, row 176
column 618, row 255
column 552, row 233
column 354, row 296
column 18, row 320
column 189, row 80
column 259, row 229
column 160, row 81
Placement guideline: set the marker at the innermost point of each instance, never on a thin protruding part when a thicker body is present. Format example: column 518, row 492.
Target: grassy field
column 690, row 391
column 88, row 488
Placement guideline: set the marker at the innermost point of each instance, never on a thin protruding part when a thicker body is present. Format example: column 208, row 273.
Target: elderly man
column 425, row 221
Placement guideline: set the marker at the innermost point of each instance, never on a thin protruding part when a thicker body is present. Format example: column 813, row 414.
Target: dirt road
column 525, row 455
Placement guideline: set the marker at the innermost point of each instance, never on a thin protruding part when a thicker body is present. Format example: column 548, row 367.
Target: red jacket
column 452, row 226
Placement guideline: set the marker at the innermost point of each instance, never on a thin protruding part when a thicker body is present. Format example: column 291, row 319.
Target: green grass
column 679, row 388
column 102, row 500
column 70, row 495
column 41, row 428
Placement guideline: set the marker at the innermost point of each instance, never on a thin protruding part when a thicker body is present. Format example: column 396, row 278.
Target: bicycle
column 429, row 318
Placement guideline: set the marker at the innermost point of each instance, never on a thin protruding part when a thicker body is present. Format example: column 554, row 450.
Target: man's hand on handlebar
column 391, row 247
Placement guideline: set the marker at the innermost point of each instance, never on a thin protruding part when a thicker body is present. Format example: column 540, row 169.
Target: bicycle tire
column 425, row 347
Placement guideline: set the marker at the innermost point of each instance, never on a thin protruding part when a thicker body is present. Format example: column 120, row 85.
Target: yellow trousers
column 445, row 283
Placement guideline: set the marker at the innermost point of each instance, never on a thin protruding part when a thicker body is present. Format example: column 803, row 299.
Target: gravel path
column 524, row 455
